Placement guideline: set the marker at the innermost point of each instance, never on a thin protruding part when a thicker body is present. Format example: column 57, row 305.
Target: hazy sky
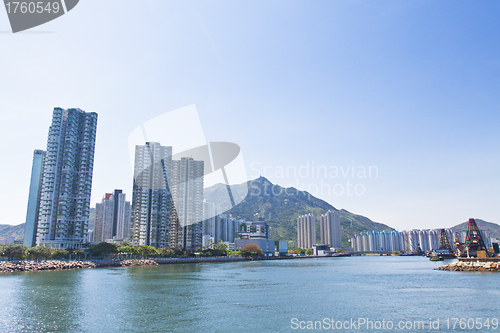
column 409, row 90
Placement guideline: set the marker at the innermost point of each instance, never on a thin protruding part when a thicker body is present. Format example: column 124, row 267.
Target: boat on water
column 436, row 258
column 340, row 255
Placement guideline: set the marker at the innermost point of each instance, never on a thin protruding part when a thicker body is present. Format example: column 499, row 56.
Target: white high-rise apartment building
column 187, row 192
column 306, row 231
column 330, row 230
column 167, row 200
column 153, row 221
column 67, row 179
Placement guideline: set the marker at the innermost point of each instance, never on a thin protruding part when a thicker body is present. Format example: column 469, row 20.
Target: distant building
column 281, row 247
column 257, row 233
column 321, row 249
column 103, row 219
column 210, row 213
column 220, row 227
column 67, row 179
column 112, row 221
column 7, row 240
column 407, row 241
column 258, row 229
column 330, row 230
column 122, row 216
column 208, row 241
column 306, row 231
column 30, row 227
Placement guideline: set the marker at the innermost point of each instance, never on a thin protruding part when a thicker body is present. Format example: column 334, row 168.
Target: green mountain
column 483, row 225
column 281, row 206
column 16, row 231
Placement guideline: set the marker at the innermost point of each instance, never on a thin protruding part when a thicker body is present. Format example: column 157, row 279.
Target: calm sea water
column 258, row 296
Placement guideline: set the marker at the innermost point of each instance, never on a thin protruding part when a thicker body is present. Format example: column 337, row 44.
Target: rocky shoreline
column 138, row 263
column 471, row 266
column 32, row 266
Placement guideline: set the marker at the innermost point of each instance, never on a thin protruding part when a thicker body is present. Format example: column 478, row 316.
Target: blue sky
column 408, row 87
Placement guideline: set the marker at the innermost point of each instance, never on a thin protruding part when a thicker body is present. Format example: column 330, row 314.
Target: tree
column 296, row 250
column 309, row 252
column 167, row 253
column 39, row 252
column 179, row 252
column 127, row 250
column 221, row 247
column 79, row 253
column 59, row 253
column 103, row 249
column 13, row 251
column 147, row 251
column 251, row 250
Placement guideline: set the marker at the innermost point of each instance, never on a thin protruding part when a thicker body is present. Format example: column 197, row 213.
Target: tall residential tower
column 330, row 229
column 306, row 231
column 167, row 200
column 152, row 208
column 34, row 199
column 187, row 192
column 67, row 179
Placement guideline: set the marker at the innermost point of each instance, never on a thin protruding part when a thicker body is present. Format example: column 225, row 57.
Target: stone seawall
column 138, row 263
column 472, row 266
column 30, row 266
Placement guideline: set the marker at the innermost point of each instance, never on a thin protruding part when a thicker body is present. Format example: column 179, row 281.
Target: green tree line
column 19, row 252
column 106, row 250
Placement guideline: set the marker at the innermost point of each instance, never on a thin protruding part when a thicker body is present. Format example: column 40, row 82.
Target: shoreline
column 47, row 265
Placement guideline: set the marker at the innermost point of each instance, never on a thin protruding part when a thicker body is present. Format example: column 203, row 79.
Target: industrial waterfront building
column 63, row 214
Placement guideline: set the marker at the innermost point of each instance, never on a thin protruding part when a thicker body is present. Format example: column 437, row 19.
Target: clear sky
column 409, row 90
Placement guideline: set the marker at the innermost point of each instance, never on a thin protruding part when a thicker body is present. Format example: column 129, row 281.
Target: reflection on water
column 241, row 296
column 43, row 302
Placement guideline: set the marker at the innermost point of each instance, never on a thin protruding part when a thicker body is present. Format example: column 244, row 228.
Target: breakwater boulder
column 31, row 266
column 472, row 266
column 138, row 262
